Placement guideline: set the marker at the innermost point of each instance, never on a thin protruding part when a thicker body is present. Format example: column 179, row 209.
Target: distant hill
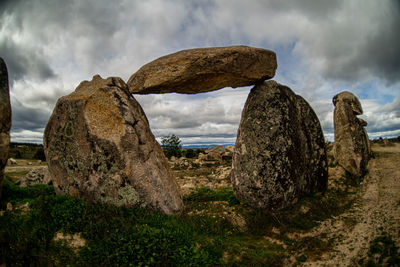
column 205, row 145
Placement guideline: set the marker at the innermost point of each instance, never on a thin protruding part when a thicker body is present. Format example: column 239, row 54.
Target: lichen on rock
column 351, row 148
column 280, row 149
column 99, row 148
column 200, row 70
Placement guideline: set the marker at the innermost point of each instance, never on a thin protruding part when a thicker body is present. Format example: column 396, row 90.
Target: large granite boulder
column 5, row 119
column 351, row 147
column 204, row 69
column 99, row 148
column 280, row 149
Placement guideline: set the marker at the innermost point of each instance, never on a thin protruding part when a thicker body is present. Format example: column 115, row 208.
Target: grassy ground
column 23, row 166
column 214, row 229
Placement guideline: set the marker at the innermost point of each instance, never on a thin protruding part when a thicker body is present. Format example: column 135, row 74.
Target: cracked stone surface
column 99, row 148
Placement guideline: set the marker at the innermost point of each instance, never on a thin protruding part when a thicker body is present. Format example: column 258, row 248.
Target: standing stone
column 280, row 149
column 99, row 148
column 5, row 119
column 204, row 69
column 351, row 148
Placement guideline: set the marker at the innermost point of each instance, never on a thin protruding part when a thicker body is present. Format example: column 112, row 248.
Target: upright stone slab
column 99, row 148
column 5, row 119
column 280, row 149
column 351, row 147
column 204, row 69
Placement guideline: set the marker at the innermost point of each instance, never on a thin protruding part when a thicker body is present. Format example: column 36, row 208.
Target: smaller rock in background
column 352, row 149
column 385, row 142
column 36, row 176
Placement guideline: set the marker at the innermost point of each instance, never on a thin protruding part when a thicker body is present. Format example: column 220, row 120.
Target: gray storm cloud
column 323, row 47
column 27, row 118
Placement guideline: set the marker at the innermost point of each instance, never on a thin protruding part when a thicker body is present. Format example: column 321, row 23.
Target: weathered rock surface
column 219, row 153
column 280, row 150
column 351, row 147
column 99, row 147
column 5, row 119
column 35, row 176
column 204, row 69
column 216, row 149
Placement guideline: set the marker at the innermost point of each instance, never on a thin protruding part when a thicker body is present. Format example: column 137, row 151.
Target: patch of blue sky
column 375, row 89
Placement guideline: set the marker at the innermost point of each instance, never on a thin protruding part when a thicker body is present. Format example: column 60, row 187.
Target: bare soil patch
column 376, row 212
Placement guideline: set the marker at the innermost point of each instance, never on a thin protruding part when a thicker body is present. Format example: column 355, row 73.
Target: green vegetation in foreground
column 15, row 176
column 205, row 234
column 114, row 236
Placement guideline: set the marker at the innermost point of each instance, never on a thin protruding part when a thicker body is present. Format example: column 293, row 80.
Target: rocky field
column 351, row 224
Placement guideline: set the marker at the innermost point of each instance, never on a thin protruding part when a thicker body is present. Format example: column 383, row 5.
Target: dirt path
column 376, row 211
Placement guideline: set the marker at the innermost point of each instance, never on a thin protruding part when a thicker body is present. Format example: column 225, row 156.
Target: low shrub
column 190, row 153
column 206, row 194
column 12, row 193
column 383, row 251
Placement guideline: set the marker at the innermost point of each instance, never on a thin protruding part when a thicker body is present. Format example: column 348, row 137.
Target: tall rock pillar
column 351, row 147
column 5, row 119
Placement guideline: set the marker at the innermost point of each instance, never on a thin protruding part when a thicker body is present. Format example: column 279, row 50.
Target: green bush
column 171, row 146
column 141, row 245
column 12, row 193
column 206, row 194
column 189, row 153
column 69, row 214
column 383, row 251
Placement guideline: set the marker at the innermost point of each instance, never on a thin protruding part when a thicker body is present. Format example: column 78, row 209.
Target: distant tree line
column 26, row 151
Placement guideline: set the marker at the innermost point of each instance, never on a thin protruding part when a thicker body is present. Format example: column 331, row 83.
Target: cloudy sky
column 323, row 48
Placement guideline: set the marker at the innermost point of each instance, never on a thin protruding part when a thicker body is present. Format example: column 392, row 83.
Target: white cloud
column 382, row 120
column 323, row 48
column 27, row 136
column 212, row 116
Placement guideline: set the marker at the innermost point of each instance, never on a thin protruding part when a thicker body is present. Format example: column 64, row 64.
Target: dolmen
column 351, row 147
column 99, row 146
